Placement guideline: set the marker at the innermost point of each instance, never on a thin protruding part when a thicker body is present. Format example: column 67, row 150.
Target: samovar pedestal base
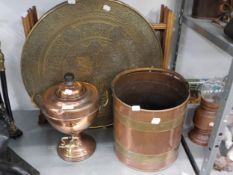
column 76, row 148
column 199, row 137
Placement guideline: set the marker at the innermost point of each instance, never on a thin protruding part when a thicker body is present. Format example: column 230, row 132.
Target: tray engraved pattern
column 94, row 39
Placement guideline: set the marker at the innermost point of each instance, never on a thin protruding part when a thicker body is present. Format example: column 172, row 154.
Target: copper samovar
column 71, row 107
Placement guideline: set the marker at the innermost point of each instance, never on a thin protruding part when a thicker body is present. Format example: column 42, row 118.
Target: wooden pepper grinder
column 203, row 122
column 206, row 113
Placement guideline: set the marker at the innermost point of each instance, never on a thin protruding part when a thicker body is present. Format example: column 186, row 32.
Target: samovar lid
column 70, row 99
column 70, row 89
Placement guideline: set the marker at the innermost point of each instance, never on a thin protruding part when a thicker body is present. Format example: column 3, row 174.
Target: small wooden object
column 203, row 122
column 29, row 19
column 166, row 24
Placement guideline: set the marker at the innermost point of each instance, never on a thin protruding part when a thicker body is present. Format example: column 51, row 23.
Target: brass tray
column 94, row 39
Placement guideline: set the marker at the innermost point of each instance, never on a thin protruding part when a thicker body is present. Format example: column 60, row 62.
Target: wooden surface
column 167, row 18
column 29, row 19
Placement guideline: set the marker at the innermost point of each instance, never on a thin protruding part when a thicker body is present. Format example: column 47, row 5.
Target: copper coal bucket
column 149, row 108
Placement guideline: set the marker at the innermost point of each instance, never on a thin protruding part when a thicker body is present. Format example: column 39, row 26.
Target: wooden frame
column 29, row 19
column 167, row 18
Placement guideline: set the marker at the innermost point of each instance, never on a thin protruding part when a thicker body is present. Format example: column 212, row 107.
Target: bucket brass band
column 142, row 158
column 162, row 95
column 147, row 126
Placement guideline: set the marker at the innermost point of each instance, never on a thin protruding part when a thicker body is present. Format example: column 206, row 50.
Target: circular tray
column 94, row 39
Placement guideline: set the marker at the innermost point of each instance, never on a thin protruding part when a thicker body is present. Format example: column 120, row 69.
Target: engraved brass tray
column 94, row 39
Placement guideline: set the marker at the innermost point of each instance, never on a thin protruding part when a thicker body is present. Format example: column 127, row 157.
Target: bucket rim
column 152, row 69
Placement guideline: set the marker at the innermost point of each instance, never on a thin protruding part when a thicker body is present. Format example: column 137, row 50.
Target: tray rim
column 32, row 96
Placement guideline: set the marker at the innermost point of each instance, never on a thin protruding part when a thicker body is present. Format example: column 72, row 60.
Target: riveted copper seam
column 147, row 126
column 142, row 158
